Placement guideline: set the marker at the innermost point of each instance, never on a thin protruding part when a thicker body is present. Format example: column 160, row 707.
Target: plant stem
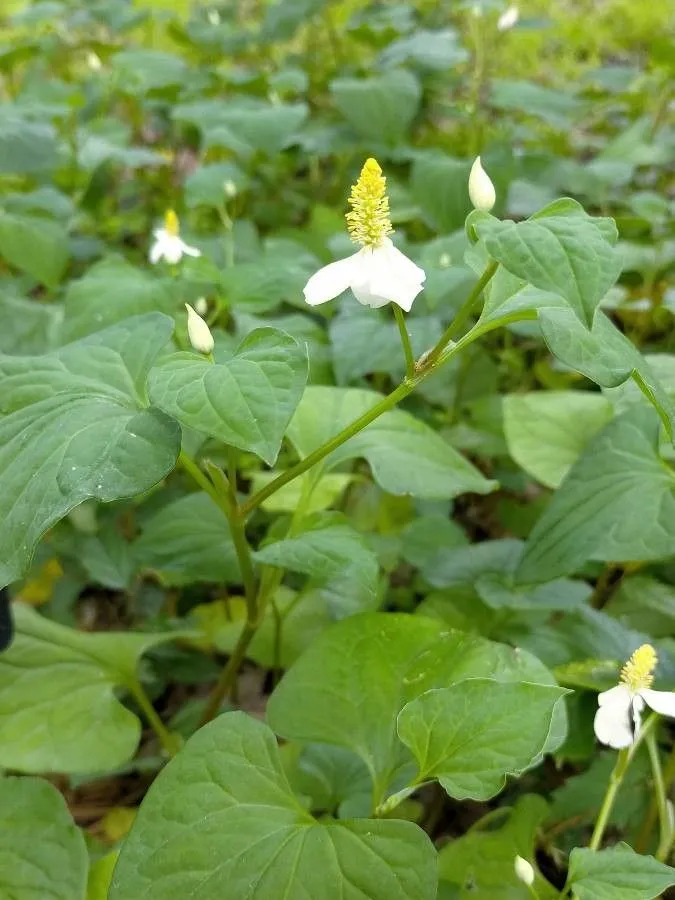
column 665, row 818
column 228, row 675
column 615, row 781
column 405, row 340
column 424, row 367
column 385, row 404
column 462, row 314
column 204, row 482
column 652, row 812
column 170, row 742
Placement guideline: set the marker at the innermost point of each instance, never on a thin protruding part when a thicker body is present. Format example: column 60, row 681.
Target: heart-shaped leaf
column 43, row 852
column 245, row 400
column 617, row 874
column 560, row 250
column 221, row 822
column 58, row 709
column 472, row 734
column 617, row 502
column 75, row 426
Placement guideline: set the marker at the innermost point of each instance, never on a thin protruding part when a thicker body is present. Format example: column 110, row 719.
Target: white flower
column 481, row 189
column 508, row 18
column 201, row 306
column 524, row 871
column 199, row 332
column 378, row 273
column 94, row 61
column 168, row 244
column 618, row 719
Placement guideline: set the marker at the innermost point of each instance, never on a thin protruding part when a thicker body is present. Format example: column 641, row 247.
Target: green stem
column 204, row 483
column 405, row 340
column 652, row 813
column 615, row 781
column 462, row 314
column 385, row 404
column 665, row 820
column 228, row 675
column 170, row 742
column 425, row 366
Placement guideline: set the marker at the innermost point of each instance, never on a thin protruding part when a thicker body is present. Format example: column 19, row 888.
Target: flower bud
column 524, row 871
column 201, row 306
column 481, row 189
column 199, row 332
column 230, row 188
column 508, row 18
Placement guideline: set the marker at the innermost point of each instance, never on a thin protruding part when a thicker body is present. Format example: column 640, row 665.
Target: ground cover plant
column 336, row 450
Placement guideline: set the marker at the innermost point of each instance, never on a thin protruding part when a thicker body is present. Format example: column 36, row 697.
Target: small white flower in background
column 199, row 332
column 230, row 188
column 94, row 61
column 481, row 189
column 201, row 306
column 168, row 244
column 213, row 16
column 508, row 18
column 617, row 721
column 524, row 871
column 378, row 273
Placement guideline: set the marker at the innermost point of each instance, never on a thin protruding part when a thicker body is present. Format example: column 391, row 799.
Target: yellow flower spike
column 368, row 220
column 637, row 674
column 171, row 224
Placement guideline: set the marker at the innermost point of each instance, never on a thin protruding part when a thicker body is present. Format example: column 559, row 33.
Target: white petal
column 389, row 276
column 188, row 250
column 662, row 702
column 173, row 249
column 156, row 251
column 330, row 281
column 613, row 721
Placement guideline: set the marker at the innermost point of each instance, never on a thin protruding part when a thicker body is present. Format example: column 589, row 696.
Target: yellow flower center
column 171, row 225
column 368, row 220
column 637, row 674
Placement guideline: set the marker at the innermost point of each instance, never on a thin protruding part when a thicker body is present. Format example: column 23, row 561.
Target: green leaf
column 44, row 854
column 349, row 686
column 439, row 185
column 538, row 430
column 221, row 822
column 186, row 540
column 604, row 355
column 617, row 874
column 244, row 125
column 616, row 503
column 34, row 245
column 380, row 108
column 111, row 291
column 644, row 603
column 333, row 555
column 433, row 50
column 25, row 146
column 364, row 342
column 471, row 735
column 139, row 71
column 246, row 399
column 58, row 708
column 75, row 426
column 480, row 862
column 560, row 250
column 556, row 107
column 405, row 455
column 28, row 326
column 205, row 186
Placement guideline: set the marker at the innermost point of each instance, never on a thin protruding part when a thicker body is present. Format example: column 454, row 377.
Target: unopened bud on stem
column 199, row 332
column 524, row 871
column 481, row 189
